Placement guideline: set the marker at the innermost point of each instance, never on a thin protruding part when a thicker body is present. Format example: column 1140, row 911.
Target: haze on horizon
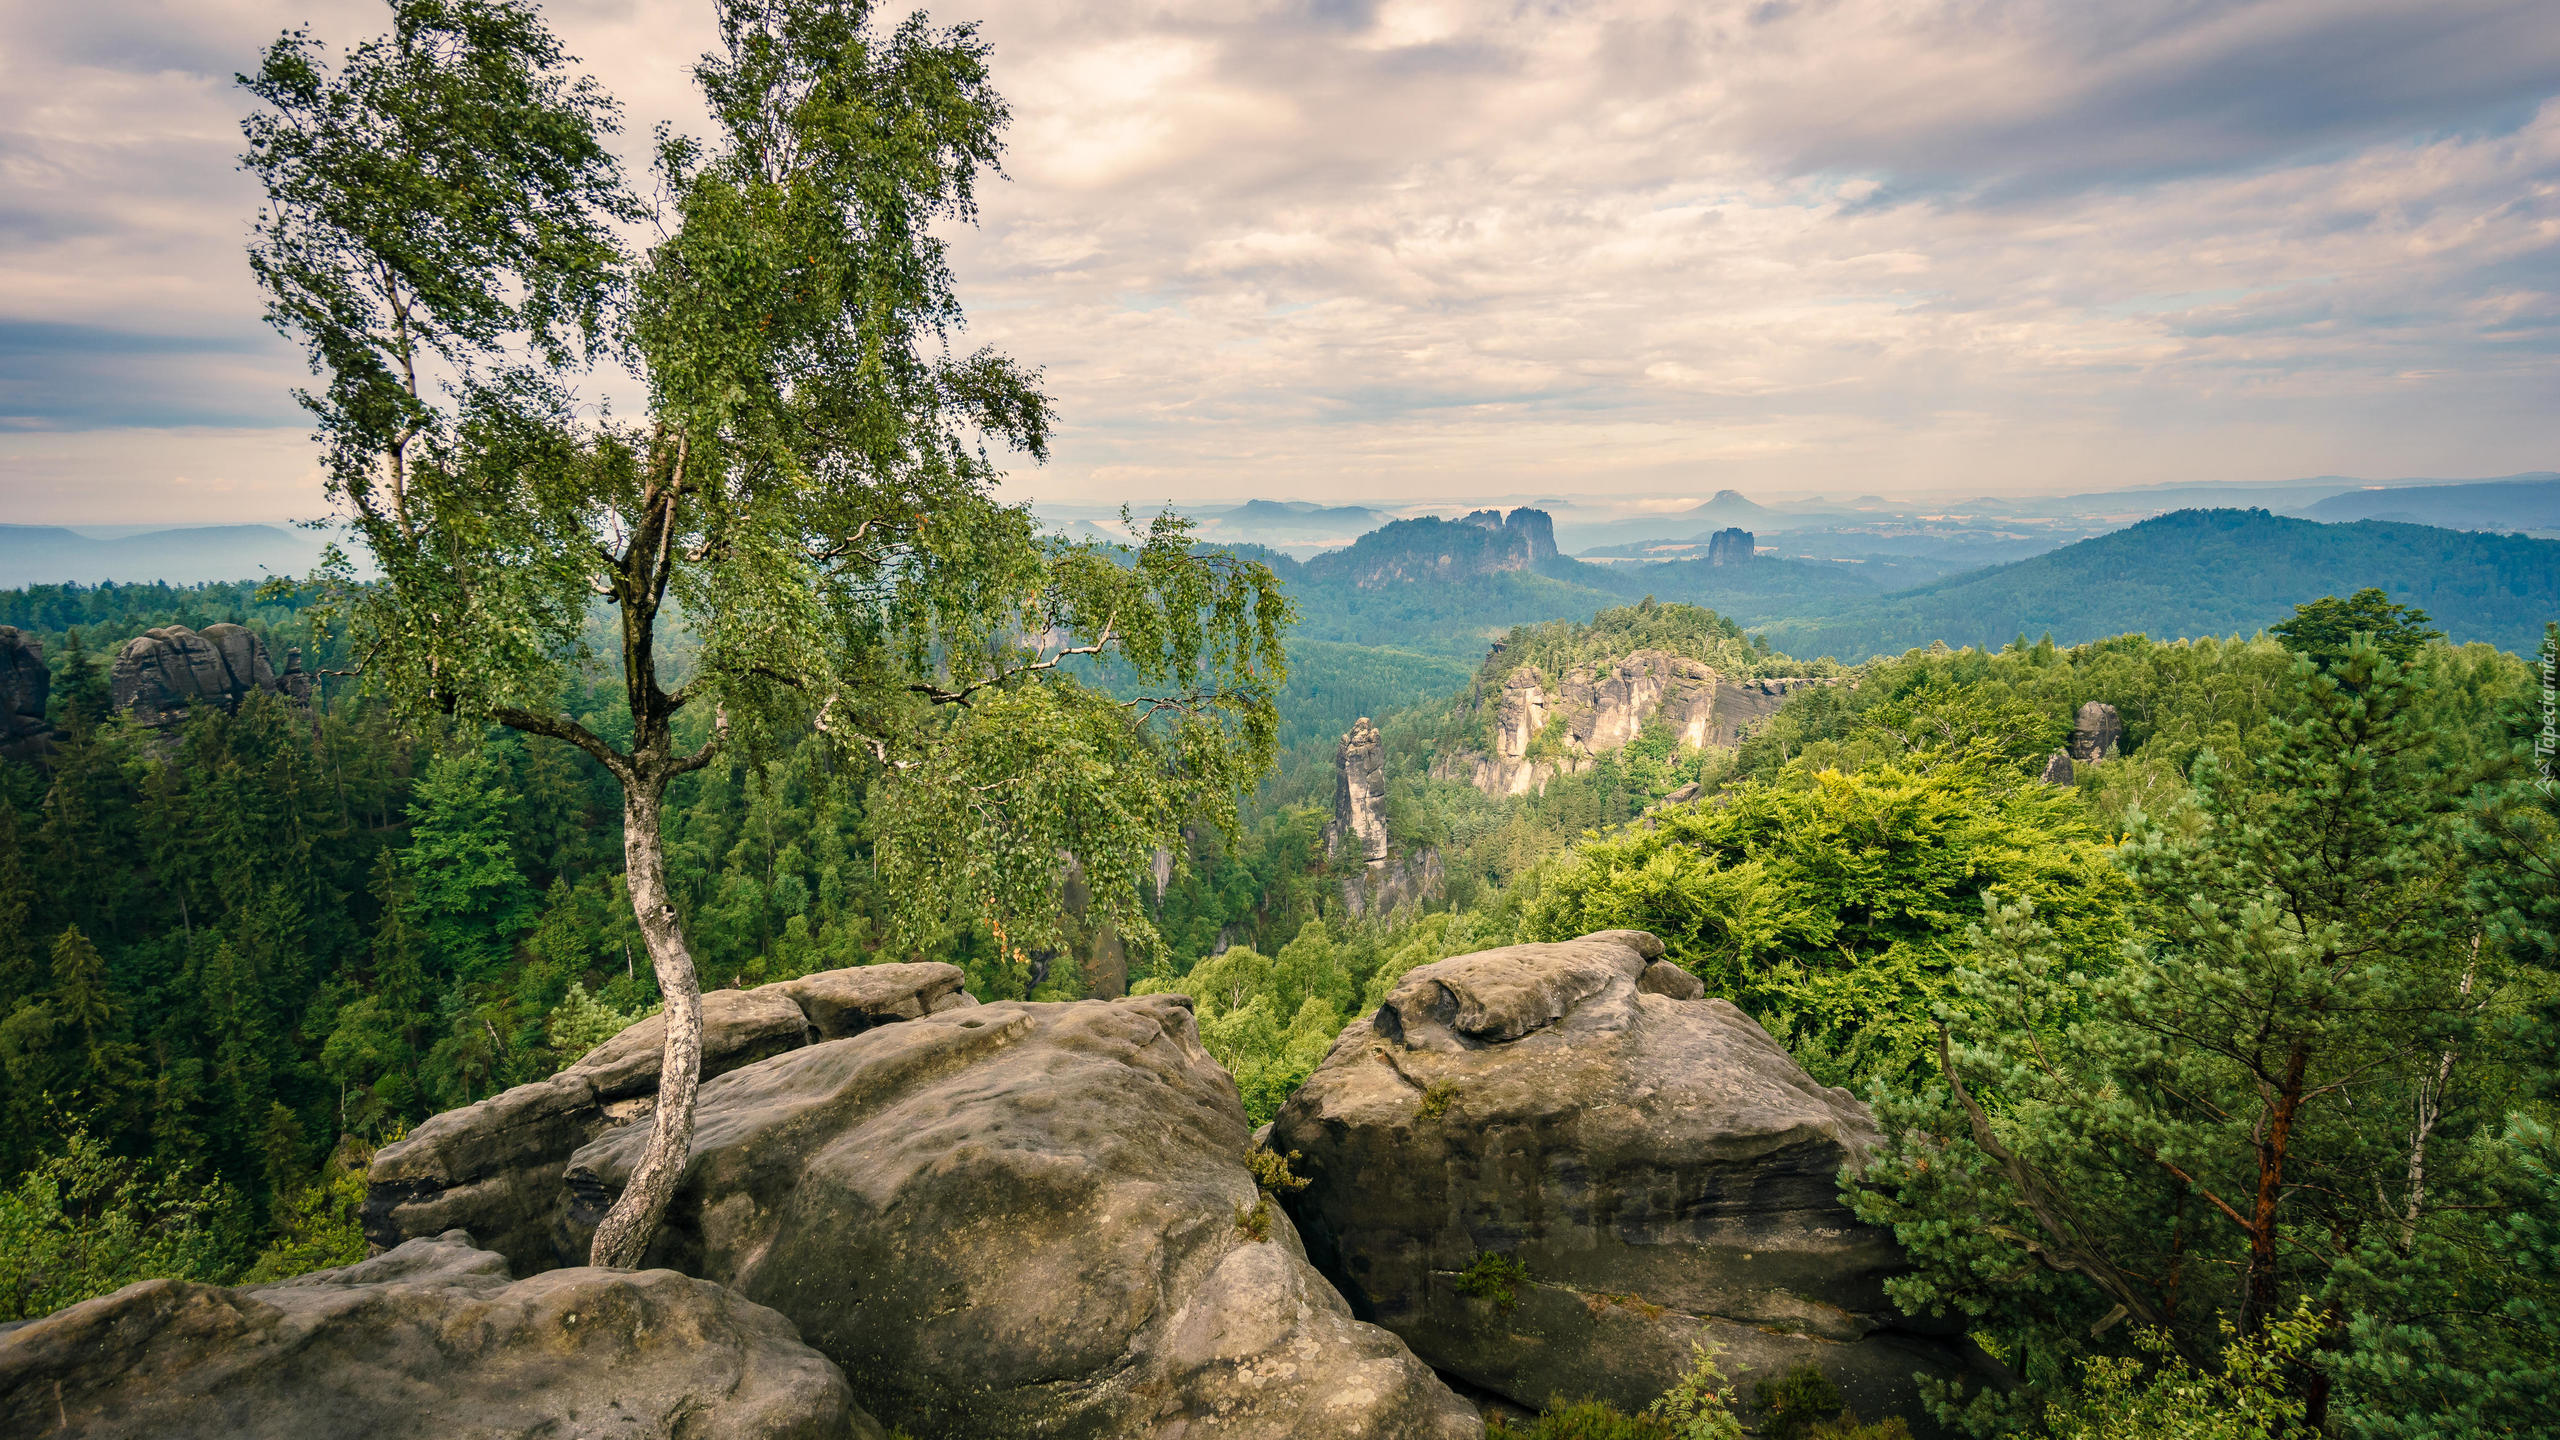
column 1413, row 252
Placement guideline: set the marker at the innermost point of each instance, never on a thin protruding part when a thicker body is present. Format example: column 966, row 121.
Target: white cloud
column 1348, row 251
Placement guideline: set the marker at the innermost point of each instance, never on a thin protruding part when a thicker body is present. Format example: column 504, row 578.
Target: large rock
column 429, row 1340
column 1662, row 1170
column 159, row 673
column 1027, row 1219
column 26, row 683
column 2096, row 732
column 494, row 1168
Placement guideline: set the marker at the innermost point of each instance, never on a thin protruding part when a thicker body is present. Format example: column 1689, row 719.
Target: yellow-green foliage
column 1268, row 1019
column 86, row 1222
column 2250, row 1397
column 1271, row 1171
column 1833, row 911
column 580, row 1023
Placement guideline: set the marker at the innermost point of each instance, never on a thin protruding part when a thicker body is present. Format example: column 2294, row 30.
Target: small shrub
column 1700, row 1407
column 1437, row 1098
column 1271, row 1171
column 1795, row 1402
column 1255, row 1224
column 87, row 1221
column 1496, row 1278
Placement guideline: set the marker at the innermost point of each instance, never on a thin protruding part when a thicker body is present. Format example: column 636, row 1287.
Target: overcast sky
column 1355, row 252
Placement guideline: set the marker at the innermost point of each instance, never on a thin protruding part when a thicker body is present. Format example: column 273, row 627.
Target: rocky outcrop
column 1026, row 1219
column 1731, row 546
column 1606, row 706
column 430, row 1340
column 1659, row 1168
column 160, row 672
column 2096, row 733
column 1384, row 880
column 1360, row 796
column 26, row 683
column 494, row 1169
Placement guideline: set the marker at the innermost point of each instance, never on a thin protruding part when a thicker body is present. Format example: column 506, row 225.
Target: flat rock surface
column 1027, row 1219
column 1660, row 1167
column 429, row 1340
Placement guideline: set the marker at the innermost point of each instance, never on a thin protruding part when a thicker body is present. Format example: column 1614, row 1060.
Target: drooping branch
column 2069, row 1252
column 940, row 696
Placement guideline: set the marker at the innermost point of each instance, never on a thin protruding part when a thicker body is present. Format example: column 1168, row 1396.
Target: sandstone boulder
column 1662, row 1170
column 1026, row 1219
column 2096, row 732
column 495, row 1168
column 429, row 1340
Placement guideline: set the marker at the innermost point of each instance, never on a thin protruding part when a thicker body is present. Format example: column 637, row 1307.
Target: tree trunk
column 624, row 1235
column 2260, row 1302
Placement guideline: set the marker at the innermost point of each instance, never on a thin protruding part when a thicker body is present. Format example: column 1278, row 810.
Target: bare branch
column 560, row 727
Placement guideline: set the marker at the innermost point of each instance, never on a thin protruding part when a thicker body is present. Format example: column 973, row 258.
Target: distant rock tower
column 1731, row 546
column 1360, row 796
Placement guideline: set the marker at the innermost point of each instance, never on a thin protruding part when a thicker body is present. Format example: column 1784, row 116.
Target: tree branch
column 562, row 728
column 2071, row 1254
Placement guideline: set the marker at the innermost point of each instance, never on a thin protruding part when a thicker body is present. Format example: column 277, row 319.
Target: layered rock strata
column 1026, row 1219
column 1661, row 1170
column 160, row 672
column 495, row 1168
column 431, row 1340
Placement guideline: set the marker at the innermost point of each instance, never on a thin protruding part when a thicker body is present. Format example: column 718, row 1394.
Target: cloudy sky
column 1420, row 249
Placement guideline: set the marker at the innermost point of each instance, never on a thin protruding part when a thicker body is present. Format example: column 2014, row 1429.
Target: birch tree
column 806, row 489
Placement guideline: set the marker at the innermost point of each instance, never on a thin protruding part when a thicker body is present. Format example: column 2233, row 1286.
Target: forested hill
column 2207, row 572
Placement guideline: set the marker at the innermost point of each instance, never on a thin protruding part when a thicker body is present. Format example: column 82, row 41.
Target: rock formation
column 431, row 1340
column 2096, row 733
column 1660, row 1167
column 26, row 683
column 494, row 1169
column 1731, row 546
column 1360, row 796
column 159, row 672
column 1606, row 706
column 1006, row 1219
column 1386, row 880
column 1026, row 1219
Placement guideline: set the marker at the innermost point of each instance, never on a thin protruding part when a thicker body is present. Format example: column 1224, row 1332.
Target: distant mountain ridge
column 1485, row 542
column 56, row 555
column 2207, row 572
column 2526, row 502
